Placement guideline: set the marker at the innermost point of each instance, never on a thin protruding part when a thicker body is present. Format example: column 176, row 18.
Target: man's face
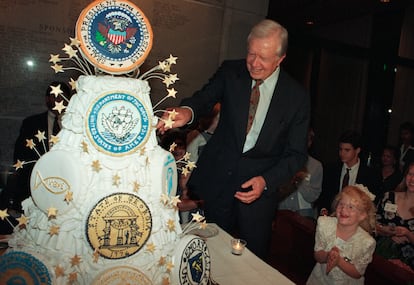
column 262, row 56
column 406, row 137
column 348, row 154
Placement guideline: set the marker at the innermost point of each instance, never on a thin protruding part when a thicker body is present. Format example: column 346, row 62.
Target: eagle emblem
column 116, row 33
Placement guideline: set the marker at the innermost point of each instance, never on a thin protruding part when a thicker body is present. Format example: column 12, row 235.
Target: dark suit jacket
column 367, row 176
column 280, row 148
column 18, row 184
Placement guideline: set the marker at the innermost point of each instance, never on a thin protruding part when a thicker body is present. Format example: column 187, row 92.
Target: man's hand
column 174, row 118
column 257, row 184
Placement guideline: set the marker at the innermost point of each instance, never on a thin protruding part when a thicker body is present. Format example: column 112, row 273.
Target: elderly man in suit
column 242, row 166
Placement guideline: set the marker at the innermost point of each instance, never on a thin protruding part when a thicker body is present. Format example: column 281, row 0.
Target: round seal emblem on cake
column 119, row 225
column 118, row 123
column 54, row 178
column 121, row 275
column 18, row 267
column 115, row 36
column 193, row 261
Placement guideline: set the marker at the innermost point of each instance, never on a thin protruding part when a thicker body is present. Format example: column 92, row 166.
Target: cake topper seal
column 122, row 275
column 119, row 225
column 115, row 36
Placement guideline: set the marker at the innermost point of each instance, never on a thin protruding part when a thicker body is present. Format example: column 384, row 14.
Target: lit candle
column 238, row 246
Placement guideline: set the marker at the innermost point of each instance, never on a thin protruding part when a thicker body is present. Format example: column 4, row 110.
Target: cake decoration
column 29, row 268
column 119, row 225
column 104, row 205
column 114, row 36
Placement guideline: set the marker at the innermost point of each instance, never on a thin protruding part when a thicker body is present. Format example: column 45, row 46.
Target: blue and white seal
column 118, row 123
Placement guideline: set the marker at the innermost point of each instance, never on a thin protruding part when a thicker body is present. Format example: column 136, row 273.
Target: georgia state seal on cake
column 114, row 36
column 119, row 225
column 118, row 123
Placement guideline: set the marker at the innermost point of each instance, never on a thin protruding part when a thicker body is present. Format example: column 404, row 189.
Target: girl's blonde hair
column 365, row 204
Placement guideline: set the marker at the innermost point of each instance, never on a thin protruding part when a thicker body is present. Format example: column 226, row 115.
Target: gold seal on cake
column 119, row 225
column 122, row 275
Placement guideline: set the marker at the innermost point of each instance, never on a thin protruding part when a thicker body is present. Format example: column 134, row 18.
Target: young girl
column 343, row 243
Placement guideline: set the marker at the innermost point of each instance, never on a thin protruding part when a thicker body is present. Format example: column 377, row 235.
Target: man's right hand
column 174, row 118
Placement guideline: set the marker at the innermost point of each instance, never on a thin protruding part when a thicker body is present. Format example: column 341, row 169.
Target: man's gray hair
column 268, row 27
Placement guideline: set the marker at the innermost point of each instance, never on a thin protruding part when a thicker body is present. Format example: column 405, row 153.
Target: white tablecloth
column 248, row 269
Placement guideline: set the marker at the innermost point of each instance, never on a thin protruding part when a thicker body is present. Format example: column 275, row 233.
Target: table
column 248, row 269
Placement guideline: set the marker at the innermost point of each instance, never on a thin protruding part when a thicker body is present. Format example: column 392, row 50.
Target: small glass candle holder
column 238, row 246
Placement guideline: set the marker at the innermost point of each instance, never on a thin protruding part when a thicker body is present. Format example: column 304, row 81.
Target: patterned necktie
column 345, row 180
column 56, row 126
column 254, row 100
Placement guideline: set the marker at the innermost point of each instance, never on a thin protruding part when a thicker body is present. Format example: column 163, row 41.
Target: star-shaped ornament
column 54, row 230
column 173, row 78
column 197, row 217
column 96, row 166
column 172, row 59
column 172, row 114
column 69, row 51
column 22, row 221
column 186, row 156
column 165, row 199
column 3, row 214
column 57, row 68
column 175, row 200
column 54, row 58
column 56, row 90
column 96, row 255
column 73, row 277
column 172, row 147
column 191, row 165
column 54, row 139
column 30, row 144
column 52, row 213
column 136, row 186
column 171, row 93
column 203, row 225
column 85, row 147
column 40, row 136
column 59, row 106
column 151, row 247
column 171, row 225
column 68, row 196
column 74, row 42
column 59, row 271
column 161, row 261
column 185, row 171
column 72, row 84
column 75, row 260
column 116, row 180
column 18, row 164
column 170, row 267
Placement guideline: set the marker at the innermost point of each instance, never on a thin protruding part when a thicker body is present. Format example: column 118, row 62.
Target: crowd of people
column 251, row 148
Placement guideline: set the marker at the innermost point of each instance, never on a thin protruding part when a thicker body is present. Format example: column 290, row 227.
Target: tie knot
column 258, row 82
column 348, row 169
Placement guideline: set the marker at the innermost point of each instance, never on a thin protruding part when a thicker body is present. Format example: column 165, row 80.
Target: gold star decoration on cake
column 85, row 147
column 22, row 221
column 172, row 147
column 171, row 225
column 165, row 199
column 3, row 214
column 203, row 225
column 54, row 230
column 175, row 200
column 72, row 84
column 96, row 166
column 165, row 281
column 56, row 90
column 172, row 59
column 70, row 51
column 75, row 260
column 116, row 180
column 171, row 93
column 52, row 213
column 40, row 135
column 150, row 247
column 59, row 106
column 197, row 217
column 136, row 186
column 95, row 256
column 54, row 58
column 74, row 42
column 18, row 164
column 170, row 267
column 54, row 139
column 57, row 68
column 30, row 144
column 162, row 261
column 73, row 277
column 185, row 171
column 59, row 271
column 68, row 197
